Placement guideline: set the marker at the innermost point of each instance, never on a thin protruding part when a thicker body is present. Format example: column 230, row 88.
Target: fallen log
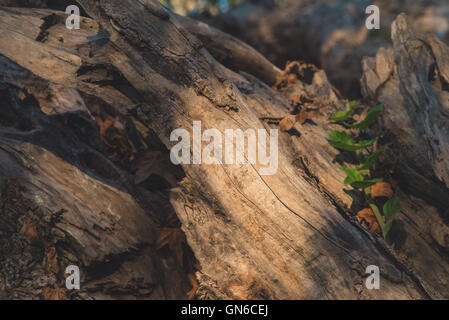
column 289, row 235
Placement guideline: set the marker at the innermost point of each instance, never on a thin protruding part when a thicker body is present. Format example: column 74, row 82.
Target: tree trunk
column 71, row 198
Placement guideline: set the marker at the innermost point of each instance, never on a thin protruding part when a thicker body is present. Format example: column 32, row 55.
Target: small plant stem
column 379, row 219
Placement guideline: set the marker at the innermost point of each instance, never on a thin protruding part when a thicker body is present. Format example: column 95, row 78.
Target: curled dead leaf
column 54, row 294
column 300, row 99
column 52, row 259
column 287, row 123
column 295, row 99
column 293, row 72
column 154, row 162
column 381, row 189
column 29, row 229
column 303, row 115
column 368, row 220
column 105, row 125
column 195, row 286
column 174, row 238
column 393, row 181
column 292, row 78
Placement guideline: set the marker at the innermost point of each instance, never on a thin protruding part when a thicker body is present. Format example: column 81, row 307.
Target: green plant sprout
column 360, row 177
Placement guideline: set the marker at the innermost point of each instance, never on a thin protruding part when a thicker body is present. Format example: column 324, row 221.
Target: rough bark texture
column 290, row 235
column 231, row 52
column 411, row 80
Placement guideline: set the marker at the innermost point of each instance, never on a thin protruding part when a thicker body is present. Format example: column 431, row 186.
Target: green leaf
column 366, row 143
column 372, row 158
column 343, row 115
column 342, row 140
column 340, row 136
column 369, row 119
column 354, row 104
column 391, row 208
column 343, row 146
column 365, row 183
column 387, row 228
column 340, row 115
column 352, row 176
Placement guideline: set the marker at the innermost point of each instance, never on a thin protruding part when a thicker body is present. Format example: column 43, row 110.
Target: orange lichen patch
column 381, row 189
column 368, row 220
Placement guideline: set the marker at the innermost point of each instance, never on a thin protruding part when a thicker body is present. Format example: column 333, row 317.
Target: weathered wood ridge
column 291, row 235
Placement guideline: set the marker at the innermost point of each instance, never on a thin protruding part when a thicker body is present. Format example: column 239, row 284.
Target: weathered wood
column 63, row 201
column 411, row 80
column 288, row 235
column 331, row 34
column 231, row 52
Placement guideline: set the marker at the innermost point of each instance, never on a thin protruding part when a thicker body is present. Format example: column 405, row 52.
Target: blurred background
column 192, row 7
column 328, row 33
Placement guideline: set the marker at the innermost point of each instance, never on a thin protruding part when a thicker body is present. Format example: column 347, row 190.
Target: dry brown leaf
column 54, row 294
column 303, row 115
column 292, row 78
column 174, row 238
column 367, row 219
column 154, row 162
column 170, row 219
column 195, row 286
column 300, row 99
column 29, row 229
column 381, row 189
column 293, row 71
column 295, row 99
column 52, row 259
column 287, row 123
column 394, row 182
column 105, row 125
